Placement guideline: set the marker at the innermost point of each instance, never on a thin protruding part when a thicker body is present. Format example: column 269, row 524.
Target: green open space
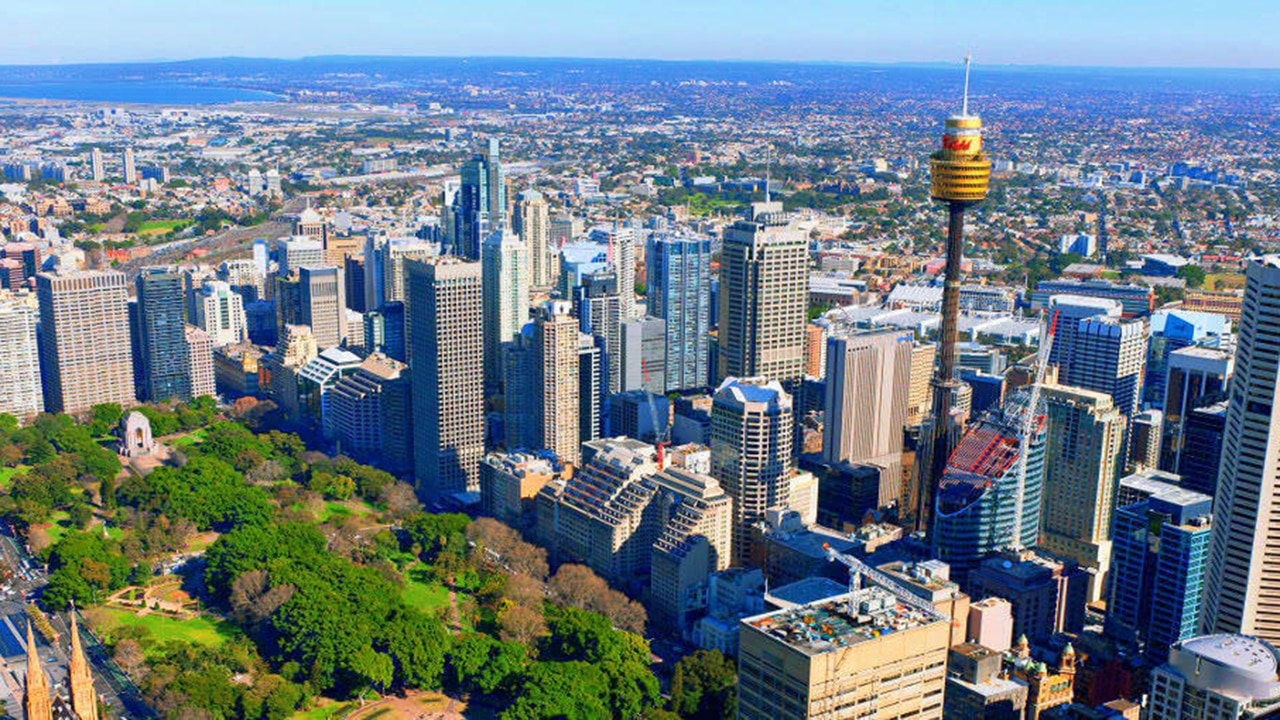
column 325, row 710
column 7, row 474
column 194, row 437
column 422, row 593
column 157, row 227
column 201, row 630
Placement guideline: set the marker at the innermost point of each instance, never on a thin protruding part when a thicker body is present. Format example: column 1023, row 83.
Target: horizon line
column 674, row 61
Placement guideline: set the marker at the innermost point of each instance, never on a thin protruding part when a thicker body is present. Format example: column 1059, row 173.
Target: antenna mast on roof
column 768, row 167
column 964, row 106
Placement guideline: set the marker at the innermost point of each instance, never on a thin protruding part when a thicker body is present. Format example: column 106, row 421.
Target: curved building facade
column 976, row 510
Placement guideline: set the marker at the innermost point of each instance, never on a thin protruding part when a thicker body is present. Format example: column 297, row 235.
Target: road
column 114, row 687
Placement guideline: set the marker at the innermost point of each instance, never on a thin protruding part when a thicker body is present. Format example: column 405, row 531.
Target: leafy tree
column 1193, row 274
column 704, row 686
column 104, row 418
column 569, row 690
column 206, row 491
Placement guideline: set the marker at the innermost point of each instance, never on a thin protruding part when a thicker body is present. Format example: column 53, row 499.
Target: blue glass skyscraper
column 481, row 203
column 162, row 340
column 679, row 291
column 1160, row 546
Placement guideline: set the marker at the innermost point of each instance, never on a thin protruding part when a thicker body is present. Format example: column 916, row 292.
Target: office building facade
column 85, row 355
column 20, row 393
column 678, row 274
column 447, row 373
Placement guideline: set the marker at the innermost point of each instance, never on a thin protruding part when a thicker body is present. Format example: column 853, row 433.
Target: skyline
column 1088, row 33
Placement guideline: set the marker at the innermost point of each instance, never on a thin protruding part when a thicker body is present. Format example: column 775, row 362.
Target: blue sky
column 1226, row 33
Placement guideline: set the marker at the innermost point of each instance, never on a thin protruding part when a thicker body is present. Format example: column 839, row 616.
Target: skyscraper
column 621, row 244
column 200, row 365
column 764, row 276
column 751, row 438
column 590, row 388
column 678, row 271
column 1197, row 377
column 323, row 304
column 1244, row 563
column 643, row 356
column 447, row 374
column 542, row 384
column 556, row 338
column 162, row 341
column 599, row 309
column 129, row 167
column 1094, row 349
column 297, row 252
column 534, row 227
column 220, row 312
column 1157, row 568
column 1084, row 456
column 867, row 389
column 96, row 170
column 480, row 207
column 1222, row 676
column 20, row 393
column 85, row 355
column 506, row 298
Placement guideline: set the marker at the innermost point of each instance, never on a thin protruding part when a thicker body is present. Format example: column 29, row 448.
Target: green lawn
column 326, row 711
column 161, row 226
column 424, row 594
column 59, row 527
column 201, row 630
column 194, row 437
column 7, row 474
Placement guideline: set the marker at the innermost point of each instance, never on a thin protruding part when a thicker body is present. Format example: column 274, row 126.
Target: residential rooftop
column 827, row 625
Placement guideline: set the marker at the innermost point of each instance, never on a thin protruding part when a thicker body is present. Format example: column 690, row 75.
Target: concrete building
column 129, row 167
column 621, row 244
column 1201, row 455
column 1216, row 677
column 220, row 313
column 97, row 171
column 235, row 370
column 1084, row 456
column 991, row 623
column 751, row 435
column 643, row 356
column 200, row 357
column 1096, row 351
column 85, row 356
column 372, row 416
column 678, row 274
column 323, row 304
column 506, row 298
column 447, row 370
column 764, row 275
column 532, row 224
column 695, row 540
column 1161, row 544
column 1048, row 596
column 976, row 688
column 633, row 414
column 591, row 386
column 818, row 661
column 867, row 391
column 1244, row 564
column 605, row 516
column 316, row 382
column 510, row 483
column 598, row 306
column 297, row 252
column 20, row 393
column 920, row 397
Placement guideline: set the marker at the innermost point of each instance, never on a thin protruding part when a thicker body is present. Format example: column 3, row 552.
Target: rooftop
column 828, row 625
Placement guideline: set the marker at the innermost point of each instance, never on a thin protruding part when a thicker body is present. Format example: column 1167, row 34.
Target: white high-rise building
column 867, row 389
column 751, row 434
column 85, row 349
column 1243, row 574
column 506, row 297
column 1216, row 677
column 200, row 355
column 534, row 227
column 220, row 313
column 622, row 259
column 96, row 169
column 20, row 393
column 130, row 167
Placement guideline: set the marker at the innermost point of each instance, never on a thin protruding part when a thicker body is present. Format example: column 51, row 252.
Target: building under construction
column 978, row 511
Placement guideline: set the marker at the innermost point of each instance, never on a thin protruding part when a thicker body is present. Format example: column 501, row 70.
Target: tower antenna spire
column 768, row 169
column 968, row 59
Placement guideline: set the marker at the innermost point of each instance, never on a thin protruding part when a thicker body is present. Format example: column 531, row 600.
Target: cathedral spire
column 84, row 699
column 36, row 701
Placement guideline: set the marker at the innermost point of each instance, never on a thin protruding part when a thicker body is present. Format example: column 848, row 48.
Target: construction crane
column 857, row 569
column 1029, row 420
column 660, row 432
